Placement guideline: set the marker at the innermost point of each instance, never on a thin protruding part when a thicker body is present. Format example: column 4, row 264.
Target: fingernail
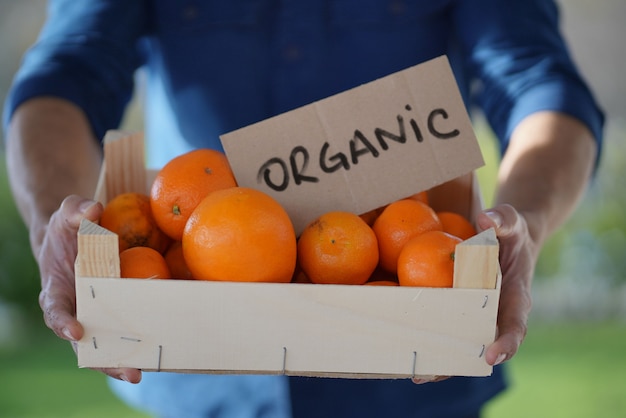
column 85, row 206
column 500, row 359
column 124, row 378
column 66, row 332
column 495, row 217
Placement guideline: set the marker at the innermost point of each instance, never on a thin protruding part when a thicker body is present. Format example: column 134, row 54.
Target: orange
column 143, row 263
column 382, row 283
column 183, row 182
column 370, row 216
column 176, row 261
column 299, row 276
column 420, row 197
column 457, row 225
column 129, row 215
column 399, row 222
column 381, row 275
column 428, row 260
column 240, row 234
column 338, row 248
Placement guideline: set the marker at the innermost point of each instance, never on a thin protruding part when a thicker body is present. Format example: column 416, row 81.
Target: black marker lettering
column 276, row 173
column 434, row 131
column 342, row 160
column 416, row 130
column 298, row 177
column 264, row 174
column 368, row 149
column 381, row 134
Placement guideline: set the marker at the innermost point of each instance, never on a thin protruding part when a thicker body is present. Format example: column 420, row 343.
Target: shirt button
column 397, row 7
column 189, row 13
column 291, row 52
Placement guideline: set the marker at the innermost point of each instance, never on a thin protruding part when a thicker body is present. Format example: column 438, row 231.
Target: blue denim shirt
column 213, row 66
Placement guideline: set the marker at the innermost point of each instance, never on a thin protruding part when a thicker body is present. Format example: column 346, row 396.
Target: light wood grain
column 295, row 329
column 98, row 251
column 476, row 262
column 123, row 169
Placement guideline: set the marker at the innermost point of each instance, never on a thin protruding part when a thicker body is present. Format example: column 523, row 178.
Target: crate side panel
column 297, row 329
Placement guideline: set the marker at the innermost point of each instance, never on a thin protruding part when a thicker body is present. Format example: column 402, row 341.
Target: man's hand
column 518, row 255
column 56, row 263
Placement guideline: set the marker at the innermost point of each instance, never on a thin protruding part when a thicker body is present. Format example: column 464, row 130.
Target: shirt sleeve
column 85, row 53
column 516, row 51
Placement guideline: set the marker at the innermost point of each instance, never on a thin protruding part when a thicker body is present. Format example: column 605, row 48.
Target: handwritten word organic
column 278, row 173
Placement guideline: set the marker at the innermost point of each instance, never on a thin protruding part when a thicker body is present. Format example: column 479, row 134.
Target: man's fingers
column 515, row 305
column 420, row 380
column 58, row 314
column 125, row 374
column 56, row 260
column 510, row 337
column 504, row 219
column 517, row 254
column 75, row 208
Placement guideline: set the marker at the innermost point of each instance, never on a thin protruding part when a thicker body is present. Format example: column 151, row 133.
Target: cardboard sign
column 360, row 149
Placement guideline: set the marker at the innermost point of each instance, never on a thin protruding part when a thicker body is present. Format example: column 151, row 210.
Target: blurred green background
column 572, row 362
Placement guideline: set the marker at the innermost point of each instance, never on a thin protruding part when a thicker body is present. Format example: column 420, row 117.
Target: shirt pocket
column 198, row 16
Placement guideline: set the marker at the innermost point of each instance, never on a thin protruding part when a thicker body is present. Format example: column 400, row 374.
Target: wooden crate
column 291, row 329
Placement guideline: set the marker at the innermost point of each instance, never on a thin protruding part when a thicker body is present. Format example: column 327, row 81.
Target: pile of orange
column 405, row 243
column 197, row 223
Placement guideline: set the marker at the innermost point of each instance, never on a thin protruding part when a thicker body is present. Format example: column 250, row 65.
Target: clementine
column 428, row 260
column 240, row 234
column 370, row 216
column 338, row 248
column 129, row 215
column 400, row 221
column 176, row 261
column 382, row 283
column 143, row 263
column 456, row 224
column 183, row 182
column 382, row 275
column 420, row 197
column 299, row 276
